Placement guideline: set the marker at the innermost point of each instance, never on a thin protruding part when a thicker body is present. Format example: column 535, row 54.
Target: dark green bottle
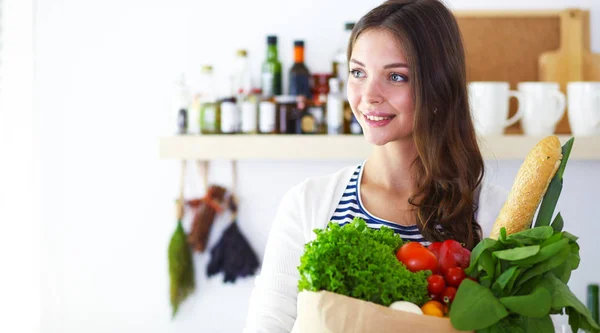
column 271, row 70
column 592, row 301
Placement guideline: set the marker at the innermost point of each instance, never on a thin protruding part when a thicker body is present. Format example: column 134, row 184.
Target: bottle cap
column 272, row 40
column 299, row 43
column 242, row 53
column 349, row 25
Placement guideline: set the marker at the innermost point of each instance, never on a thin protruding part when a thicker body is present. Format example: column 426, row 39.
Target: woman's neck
column 389, row 167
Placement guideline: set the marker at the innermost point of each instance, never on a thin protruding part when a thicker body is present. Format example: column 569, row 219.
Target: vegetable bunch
column 523, row 276
column 360, row 262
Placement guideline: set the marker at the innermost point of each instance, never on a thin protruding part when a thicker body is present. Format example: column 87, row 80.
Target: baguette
column 530, row 185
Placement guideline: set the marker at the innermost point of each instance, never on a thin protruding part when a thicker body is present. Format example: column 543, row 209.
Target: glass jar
column 267, row 116
column 210, row 117
column 249, row 112
column 229, row 116
column 286, row 112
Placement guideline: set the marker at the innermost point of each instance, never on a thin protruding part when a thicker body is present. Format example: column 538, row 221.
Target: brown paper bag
column 326, row 312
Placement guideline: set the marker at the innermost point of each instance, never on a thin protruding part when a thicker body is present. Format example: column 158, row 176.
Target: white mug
column 584, row 108
column 489, row 106
column 543, row 107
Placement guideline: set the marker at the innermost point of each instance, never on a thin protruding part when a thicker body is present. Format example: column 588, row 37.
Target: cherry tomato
column 448, row 295
column 416, row 257
column 436, row 297
column 435, row 284
column 454, row 276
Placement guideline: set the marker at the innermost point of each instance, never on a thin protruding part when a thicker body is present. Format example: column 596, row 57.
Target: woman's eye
column 357, row 74
column 397, row 77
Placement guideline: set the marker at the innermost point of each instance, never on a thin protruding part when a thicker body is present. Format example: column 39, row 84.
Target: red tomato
column 448, row 295
column 416, row 257
column 435, row 284
column 454, row 276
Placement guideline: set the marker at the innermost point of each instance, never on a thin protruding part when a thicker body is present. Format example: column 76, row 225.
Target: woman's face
column 379, row 91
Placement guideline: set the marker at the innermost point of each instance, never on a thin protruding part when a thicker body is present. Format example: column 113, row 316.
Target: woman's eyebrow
column 394, row 65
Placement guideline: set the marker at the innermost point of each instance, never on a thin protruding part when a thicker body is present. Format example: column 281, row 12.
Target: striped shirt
column 350, row 206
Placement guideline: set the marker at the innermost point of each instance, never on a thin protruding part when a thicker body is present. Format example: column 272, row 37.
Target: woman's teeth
column 374, row 118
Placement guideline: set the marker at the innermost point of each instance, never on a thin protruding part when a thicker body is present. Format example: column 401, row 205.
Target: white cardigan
column 303, row 208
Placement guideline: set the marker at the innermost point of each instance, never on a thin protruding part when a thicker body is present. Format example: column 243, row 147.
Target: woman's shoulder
column 315, row 198
column 324, row 183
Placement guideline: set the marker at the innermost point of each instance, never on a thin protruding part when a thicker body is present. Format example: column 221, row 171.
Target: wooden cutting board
column 573, row 60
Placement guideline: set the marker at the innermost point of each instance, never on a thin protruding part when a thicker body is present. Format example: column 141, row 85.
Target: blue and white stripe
column 350, row 206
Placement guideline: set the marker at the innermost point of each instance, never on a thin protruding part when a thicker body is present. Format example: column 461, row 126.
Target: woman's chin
column 377, row 139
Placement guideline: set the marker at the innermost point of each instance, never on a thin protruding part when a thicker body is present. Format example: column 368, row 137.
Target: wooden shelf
column 337, row 147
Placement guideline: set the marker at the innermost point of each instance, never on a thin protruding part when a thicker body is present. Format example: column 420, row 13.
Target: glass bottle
column 306, row 123
column 271, row 70
column 286, row 112
column 229, row 116
column 267, row 116
column 299, row 74
column 249, row 112
column 184, row 104
column 340, row 59
column 210, row 118
column 335, row 108
column 241, row 78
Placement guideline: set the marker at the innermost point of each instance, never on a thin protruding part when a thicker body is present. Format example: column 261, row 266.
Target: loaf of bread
column 529, row 187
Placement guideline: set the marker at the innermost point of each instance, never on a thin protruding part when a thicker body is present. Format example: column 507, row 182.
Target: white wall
column 19, row 174
column 105, row 74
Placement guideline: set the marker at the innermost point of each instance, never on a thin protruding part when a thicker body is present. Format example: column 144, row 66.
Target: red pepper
column 452, row 254
column 435, row 248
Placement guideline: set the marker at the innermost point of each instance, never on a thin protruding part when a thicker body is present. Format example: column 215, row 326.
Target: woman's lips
column 377, row 119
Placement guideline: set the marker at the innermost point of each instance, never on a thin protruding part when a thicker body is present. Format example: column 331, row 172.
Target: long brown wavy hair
column 449, row 166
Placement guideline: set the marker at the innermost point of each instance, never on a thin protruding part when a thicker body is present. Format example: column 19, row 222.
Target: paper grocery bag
column 326, row 312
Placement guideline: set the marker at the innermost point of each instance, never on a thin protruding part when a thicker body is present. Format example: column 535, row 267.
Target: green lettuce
column 360, row 262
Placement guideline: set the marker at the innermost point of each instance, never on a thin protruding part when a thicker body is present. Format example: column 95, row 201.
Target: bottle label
column 267, row 79
column 249, row 117
column 266, row 121
column 228, row 117
column 209, row 118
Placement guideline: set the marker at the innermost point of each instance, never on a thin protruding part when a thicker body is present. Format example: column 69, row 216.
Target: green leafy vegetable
column 360, row 262
column 475, row 307
column 181, row 268
column 518, row 253
column 525, row 275
column 536, row 304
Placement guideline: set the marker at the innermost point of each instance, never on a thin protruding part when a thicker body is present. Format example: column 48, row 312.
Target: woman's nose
column 372, row 93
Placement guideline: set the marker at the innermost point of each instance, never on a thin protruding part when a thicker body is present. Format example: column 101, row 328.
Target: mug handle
column 519, row 114
column 561, row 104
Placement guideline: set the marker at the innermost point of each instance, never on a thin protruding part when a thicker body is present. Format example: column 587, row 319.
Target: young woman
column 407, row 88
